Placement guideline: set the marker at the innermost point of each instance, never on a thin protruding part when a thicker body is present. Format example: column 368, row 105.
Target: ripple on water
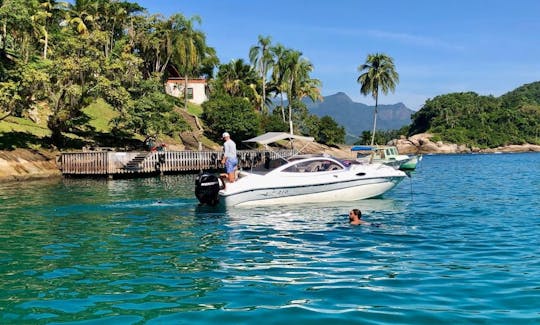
column 460, row 247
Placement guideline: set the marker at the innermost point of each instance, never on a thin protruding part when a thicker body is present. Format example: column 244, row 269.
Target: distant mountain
column 358, row 117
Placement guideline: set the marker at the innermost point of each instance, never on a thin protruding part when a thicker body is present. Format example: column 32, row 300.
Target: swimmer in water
column 355, row 218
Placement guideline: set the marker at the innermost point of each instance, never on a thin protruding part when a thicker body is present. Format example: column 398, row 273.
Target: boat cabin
column 378, row 152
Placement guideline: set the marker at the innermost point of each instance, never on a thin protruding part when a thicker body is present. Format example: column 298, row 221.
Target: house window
column 190, row 93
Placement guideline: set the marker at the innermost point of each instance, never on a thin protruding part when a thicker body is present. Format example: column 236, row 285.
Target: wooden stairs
column 136, row 162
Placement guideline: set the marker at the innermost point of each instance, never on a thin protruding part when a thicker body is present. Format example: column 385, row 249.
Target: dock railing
column 117, row 163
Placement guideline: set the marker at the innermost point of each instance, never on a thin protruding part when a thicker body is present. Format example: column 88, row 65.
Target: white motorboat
column 299, row 179
column 387, row 155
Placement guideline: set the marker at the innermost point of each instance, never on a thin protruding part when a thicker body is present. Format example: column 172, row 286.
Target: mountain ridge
column 358, row 117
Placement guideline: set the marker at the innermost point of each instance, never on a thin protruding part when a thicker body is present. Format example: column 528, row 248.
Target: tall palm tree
column 237, row 79
column 261, row 58
column 279, row 53
column 299, row 84
column 47, row 16
column 83, row 14
column 378, row 74
column 189, row 45
column 152, row 38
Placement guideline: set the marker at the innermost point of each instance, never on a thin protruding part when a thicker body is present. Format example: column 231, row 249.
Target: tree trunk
column 4, row 36
column 374, row 121
column 263, row 109
column 290, row 99
column 290, row 118
column 185, row 91
column 282, row 108
column 6, row 116
column 46, row 45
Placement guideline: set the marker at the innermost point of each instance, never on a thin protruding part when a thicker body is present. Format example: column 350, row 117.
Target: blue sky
column 439, row 47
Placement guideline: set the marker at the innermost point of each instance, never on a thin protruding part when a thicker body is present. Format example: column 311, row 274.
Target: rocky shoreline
column 423, row 144
column 26, row 164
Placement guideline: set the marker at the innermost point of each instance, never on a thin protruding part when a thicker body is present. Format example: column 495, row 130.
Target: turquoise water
column 456, row 243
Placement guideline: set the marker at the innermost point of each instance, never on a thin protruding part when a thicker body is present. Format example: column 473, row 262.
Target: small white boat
column 299, row 179
column 387, row 155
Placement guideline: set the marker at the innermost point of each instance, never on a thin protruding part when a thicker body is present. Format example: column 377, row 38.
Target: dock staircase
column 136, row 163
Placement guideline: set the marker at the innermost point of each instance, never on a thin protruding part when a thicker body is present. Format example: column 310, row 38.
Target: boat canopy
column 271, row 137
column 362, row 148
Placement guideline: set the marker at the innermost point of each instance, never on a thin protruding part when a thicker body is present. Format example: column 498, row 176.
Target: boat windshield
column 313, row 166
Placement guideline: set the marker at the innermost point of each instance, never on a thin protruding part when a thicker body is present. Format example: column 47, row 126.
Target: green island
column 94, row 74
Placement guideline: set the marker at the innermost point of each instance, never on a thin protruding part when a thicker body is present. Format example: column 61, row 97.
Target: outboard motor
column 207, row 188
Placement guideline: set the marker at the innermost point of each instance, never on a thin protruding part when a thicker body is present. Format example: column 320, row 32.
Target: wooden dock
column 114, row 163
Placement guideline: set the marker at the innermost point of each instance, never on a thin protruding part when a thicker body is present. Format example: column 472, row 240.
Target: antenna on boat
column 410, row 182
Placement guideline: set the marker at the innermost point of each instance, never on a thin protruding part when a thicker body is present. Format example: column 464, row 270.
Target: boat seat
column 313, row 167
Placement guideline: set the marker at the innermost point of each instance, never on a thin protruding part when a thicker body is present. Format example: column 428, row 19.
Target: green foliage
column 232, row 114
column 382, row 137
column 152, row 112
column 273, row 123
column 237, row 79
column 59, row 57
column 378, row 76
column 330, row 132
column 526, row 95
column 483, row 121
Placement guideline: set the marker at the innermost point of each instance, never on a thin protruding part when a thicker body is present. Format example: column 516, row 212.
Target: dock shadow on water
column 143, row 251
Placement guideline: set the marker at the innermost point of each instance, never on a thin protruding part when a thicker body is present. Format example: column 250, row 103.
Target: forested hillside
column 484, row 121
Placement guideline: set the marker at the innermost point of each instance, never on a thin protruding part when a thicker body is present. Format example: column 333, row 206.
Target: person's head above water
column 355, row 215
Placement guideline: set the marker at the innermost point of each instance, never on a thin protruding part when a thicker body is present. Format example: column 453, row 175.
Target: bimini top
column 271, row 137
column 362, row 148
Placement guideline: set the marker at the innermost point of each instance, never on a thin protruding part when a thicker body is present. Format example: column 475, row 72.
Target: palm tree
column 378, row 74
column 152, row 38
column 261, row 59
column 297, row 79
column 279, row 53
column 47, row 15
column 82, row 14
column 237, row 79
column 189, row 45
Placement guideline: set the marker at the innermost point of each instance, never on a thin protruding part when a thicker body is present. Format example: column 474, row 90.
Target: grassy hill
column 32, row 132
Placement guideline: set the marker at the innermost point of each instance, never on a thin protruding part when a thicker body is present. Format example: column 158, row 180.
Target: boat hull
column 411, row 163
column 349, row 190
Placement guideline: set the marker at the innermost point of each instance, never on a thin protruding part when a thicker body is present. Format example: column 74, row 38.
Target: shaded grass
column 16, row 132
column 13, row 140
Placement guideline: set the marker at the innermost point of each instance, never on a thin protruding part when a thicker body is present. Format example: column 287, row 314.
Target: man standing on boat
column 229, row 160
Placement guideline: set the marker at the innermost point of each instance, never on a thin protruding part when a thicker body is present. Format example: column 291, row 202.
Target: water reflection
column 309, row 217
column 143, row 251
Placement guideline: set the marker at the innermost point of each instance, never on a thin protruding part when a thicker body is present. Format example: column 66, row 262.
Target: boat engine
column 207, row 188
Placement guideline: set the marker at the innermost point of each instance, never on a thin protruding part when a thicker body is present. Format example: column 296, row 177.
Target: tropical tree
column 189, row 47
column 297, row 80
column 233, row 114
column 261, row 58
column 330, row 132
column 46, row 17
column 16, row 28
column 277, row 81
column 151, row 38
column 237, row 79
column 378, row 74
column 82, row 14
column 151, row 112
